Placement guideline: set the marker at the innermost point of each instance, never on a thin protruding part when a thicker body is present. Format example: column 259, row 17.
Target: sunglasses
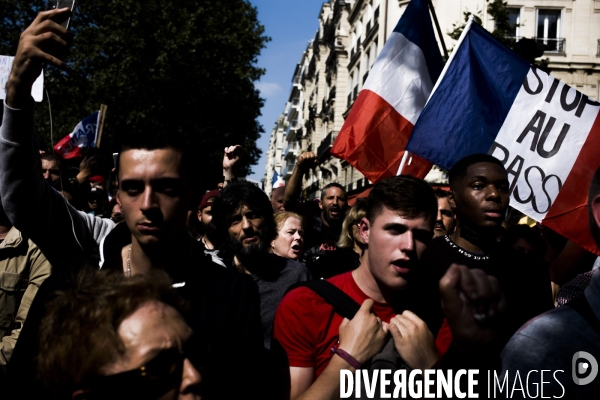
column 153, row 379
column 51, row 171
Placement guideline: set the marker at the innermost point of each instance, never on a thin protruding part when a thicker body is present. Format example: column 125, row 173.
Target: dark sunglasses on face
column 153, row 379
column 51, row 171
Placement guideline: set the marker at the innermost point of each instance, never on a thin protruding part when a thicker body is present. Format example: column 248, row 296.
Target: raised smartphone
column 63, row 19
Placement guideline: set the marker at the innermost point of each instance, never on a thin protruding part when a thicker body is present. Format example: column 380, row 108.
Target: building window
column 514, row 18
column 373, row 53
column 549, row 29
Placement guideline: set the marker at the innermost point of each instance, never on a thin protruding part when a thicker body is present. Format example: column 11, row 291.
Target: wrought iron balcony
column 556, row 45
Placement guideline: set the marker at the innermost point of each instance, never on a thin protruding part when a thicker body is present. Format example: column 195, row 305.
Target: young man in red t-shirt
column 401, row 213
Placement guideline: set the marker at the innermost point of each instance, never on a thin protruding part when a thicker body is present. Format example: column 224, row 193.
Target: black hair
column 51, row 156
column 232, row 198
column 330, row 185
column 413, row 197
column 459, row 169
column 154, row 136
column 441, row 193
column 592, row 193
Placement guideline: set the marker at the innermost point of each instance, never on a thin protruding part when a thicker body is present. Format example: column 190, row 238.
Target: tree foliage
column 503, row 29
column 190, row 63
column 504, row 32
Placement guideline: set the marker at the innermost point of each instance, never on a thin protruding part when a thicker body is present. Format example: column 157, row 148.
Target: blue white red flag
column 546, row 133
column 84, row 135
column 277, row 181
column 376, row 131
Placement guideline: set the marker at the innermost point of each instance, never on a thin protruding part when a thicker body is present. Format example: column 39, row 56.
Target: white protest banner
column 5, row 66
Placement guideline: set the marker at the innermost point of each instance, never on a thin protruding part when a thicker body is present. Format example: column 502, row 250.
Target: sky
column 290, row 24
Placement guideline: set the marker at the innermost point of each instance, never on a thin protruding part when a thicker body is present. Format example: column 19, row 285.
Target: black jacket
column 223, row 308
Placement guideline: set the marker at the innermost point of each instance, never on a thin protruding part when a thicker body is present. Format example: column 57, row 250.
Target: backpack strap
column 582, row 306
column 342, row 304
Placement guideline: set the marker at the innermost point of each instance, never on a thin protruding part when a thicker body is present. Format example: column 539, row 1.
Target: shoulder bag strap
column 342, row 304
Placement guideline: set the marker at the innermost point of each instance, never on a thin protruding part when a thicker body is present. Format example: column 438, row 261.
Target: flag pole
column 100, row 125
column 437, row 83
column 437, row 26
column 447, row 65
column 404, row 157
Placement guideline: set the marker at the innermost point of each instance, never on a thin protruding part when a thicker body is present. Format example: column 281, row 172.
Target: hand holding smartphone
column 62, row 19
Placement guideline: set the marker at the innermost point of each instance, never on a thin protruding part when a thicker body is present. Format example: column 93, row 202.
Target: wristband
column 346, row 357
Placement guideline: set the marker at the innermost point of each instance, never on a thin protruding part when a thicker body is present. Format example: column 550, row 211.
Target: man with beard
column 50, row 168
column 243, row 218
column 326, row 230
column 322, row 232
column 446, row 221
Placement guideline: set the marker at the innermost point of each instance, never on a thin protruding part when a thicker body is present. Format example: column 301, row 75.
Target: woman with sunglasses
column 111, row 337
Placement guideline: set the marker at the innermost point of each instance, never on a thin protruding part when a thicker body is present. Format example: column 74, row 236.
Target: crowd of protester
column 146, row 293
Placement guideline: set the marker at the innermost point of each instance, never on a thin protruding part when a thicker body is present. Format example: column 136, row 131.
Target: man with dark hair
column 446, row 220
column 480, row 196
column 50, row 167
column 156, row 184
column 333, row 205
column 564, row 342
column 110, row 336
column 206, row 230
column 243, row 217
column 98, row 202
column 321, row 233
column 396, row 231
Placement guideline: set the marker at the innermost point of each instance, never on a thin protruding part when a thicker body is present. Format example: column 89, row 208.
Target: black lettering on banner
column 510, row 170
column 540, row 117
column 532, row 197
column 518, row 161
column 563, row 98
column 552, row 90
column 516, row 195
column 537, row 143
column 495, row 146
column 585, row 100
column 559, row 139
column 526, row 83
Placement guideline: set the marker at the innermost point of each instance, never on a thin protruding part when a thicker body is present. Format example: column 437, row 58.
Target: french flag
column 547, row 134
column 84, row 135
column 277, row 180
column 376, row 131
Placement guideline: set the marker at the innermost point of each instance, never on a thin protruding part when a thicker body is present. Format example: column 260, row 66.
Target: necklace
column 128, row 274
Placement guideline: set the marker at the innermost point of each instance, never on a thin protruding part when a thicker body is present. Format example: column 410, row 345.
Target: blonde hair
column 283, row 216
column 355, row 214
column 280, row 219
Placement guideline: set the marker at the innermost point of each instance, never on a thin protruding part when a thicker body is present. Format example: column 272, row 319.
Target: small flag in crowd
column 546, row 133
column 277, row 181
column 84, row 135
column 379, row 125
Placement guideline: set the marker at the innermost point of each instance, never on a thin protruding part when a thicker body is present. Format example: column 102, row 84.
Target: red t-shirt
column 307, row 327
